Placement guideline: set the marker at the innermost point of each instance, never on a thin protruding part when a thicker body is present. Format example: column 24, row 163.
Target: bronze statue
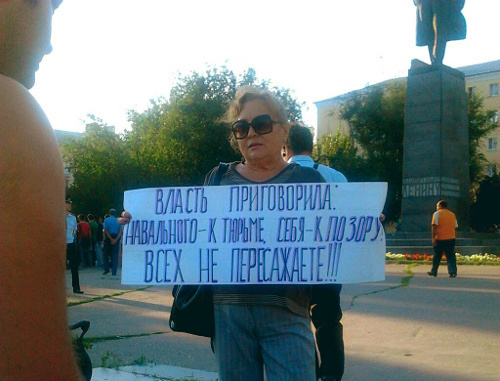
column 439, row 21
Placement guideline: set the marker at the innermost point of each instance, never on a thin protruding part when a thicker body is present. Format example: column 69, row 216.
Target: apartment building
column 484, row 79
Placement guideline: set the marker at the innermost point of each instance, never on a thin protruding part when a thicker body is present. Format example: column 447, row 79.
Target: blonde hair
column 249, row 93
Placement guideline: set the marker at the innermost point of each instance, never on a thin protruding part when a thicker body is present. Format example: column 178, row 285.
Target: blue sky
column 114, row 55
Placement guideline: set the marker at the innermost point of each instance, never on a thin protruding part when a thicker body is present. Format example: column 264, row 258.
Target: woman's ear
column 286, row 130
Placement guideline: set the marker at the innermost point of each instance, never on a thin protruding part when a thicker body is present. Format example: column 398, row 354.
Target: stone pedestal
column 436, row 146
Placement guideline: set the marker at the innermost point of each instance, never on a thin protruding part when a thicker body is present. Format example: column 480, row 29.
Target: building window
column 494, row 90
column 492, row 144
column 472, row 91
column 490, row 170
column 494, row 118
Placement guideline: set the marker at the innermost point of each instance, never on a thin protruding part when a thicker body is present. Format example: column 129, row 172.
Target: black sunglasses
column 262, row 125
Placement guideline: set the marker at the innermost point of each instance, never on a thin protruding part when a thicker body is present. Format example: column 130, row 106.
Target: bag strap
column 220, row 172
column 315, row 166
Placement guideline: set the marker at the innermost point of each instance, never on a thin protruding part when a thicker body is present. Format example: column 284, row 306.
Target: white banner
column 255, row 234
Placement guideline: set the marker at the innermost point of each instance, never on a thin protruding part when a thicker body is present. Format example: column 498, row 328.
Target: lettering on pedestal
column 431, row 187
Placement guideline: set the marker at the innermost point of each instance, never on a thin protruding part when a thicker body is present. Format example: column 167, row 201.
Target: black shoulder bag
column 193, row 309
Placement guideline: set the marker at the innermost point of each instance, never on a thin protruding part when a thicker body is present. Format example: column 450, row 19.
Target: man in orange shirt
column 443, row 227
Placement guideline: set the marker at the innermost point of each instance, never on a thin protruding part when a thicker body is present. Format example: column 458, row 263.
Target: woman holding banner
column 262, row 328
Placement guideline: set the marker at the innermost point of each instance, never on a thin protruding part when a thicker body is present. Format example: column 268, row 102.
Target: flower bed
column 476, row 259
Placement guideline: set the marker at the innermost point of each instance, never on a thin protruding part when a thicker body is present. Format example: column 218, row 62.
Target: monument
column 439, row 21
column 436, row 138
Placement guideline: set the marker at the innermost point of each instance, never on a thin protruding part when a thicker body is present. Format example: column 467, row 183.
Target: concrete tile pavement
column 152, row 372
column 129, row 324
column 432, row 329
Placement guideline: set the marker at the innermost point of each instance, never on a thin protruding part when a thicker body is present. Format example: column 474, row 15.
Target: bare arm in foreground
column 34, row 338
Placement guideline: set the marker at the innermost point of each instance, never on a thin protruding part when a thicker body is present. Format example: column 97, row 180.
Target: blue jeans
column 251, row 340
column 98, row 253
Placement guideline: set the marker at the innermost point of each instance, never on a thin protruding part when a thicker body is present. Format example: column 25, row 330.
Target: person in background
column 443, row 226
column 71, row 248
column 112, row 234
column 93, row 240
column 326, row 312
column 106, row 254
column 298, row 149
column 262, row 328
column 35, row 341
column 84, row 240
column 99, row 242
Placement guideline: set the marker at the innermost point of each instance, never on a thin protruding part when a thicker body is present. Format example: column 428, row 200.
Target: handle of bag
column 192, row 298
column 84, row 325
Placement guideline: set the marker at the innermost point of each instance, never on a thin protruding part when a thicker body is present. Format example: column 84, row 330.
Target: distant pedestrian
column 71, row 249
column 443, row 228
column 93, row 239
column 99, row 242
column 84, row 239
column 106, row 255
column 112, row 235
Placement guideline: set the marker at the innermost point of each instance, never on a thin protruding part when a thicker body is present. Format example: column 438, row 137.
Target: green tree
column 173, row 142
column 339, row 151
column 376, row 120
column 176, row 142
column 146, row 156
column 481, row 124
column 485, row 211
column 98, row 165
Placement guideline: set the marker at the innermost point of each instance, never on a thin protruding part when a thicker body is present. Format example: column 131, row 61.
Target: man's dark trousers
column 111, row 254
column 446, row 246
column 326, row 314
column 74, row 262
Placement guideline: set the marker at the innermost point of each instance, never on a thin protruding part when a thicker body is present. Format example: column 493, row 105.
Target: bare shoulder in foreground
column 34, row 339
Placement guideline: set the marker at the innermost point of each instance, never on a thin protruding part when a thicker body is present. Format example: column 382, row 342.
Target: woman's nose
column 251, row 131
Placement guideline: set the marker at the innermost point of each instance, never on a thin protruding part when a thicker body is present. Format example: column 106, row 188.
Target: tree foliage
column 339, row 151
column 376, row 120
column 98, row 164
column 481, row 124
column 176, row 141
column 485, row 211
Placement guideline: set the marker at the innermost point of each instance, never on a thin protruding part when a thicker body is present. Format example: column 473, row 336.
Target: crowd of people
column 91, row 242
column 90, row 235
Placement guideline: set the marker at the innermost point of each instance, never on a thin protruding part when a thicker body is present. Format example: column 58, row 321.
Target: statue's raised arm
column 439, row 21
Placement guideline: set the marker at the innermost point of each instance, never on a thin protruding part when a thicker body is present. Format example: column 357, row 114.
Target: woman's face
column 261, row 148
